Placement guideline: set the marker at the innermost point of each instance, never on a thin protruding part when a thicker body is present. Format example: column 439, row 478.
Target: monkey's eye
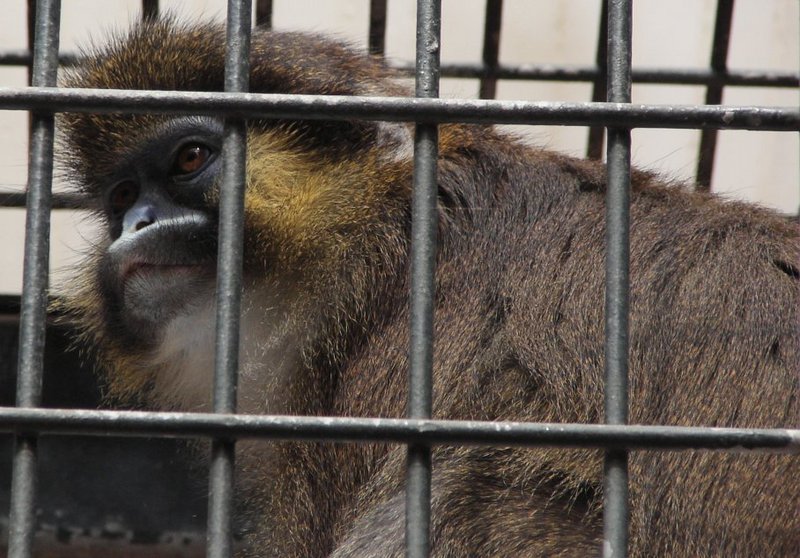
column 122, row 197
column 190, row 159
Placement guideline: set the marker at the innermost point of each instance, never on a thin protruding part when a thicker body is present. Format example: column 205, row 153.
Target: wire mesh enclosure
column 608, row 117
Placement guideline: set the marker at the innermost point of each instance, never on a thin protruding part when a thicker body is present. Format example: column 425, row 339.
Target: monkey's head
column 325, row 208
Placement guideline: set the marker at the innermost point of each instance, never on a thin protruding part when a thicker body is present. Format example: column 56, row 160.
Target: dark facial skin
column 162, row 227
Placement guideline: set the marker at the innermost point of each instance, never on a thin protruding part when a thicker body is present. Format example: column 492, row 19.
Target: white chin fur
column 268, row 355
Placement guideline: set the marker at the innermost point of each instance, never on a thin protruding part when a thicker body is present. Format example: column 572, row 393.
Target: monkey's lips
column 157, row 280
column 143, row 269
column 162, row 271
column 153, row 294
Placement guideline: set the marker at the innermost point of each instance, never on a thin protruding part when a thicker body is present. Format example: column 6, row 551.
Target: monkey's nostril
column 142, row 224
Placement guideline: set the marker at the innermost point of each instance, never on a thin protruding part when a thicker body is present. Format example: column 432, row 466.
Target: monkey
column 518, row 323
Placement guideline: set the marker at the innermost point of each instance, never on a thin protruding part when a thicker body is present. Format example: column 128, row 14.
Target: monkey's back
column 518, row 325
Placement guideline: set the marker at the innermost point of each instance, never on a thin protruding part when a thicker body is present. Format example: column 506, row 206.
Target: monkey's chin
column 154, row 295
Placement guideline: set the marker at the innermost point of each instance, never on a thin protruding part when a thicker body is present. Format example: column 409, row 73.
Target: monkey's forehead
column 168, row 55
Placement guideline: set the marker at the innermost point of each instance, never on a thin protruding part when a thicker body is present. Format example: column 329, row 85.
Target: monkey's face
column 161, row 260
column 326, row 208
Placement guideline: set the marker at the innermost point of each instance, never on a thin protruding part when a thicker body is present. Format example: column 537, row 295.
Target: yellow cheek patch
column 298, row 207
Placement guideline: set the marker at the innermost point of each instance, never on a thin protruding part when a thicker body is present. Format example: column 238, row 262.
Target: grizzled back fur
column 715, row 329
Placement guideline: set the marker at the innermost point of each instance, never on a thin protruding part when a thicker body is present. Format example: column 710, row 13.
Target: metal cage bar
column 229, row 281
column 594, row 144
column 149, row 9
column 393, row 109
column 264, row 13
column 401, row 431
column 59, row 200
column 615, row 478
column 376, row 40
column 31, row 32
column 719, row 63
column 33, row 312
column 491, row 48
column 423, row 264
column 662, row 76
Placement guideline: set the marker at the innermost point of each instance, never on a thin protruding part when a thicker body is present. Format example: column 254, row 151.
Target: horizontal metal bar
column 549, row 72
column 59, row 201
column 264, row 105
column 82, row 202
column 341, row 429
column 24, row 58
column 666, row 76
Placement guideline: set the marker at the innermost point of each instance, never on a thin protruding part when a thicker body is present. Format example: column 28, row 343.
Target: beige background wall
column 762, row 167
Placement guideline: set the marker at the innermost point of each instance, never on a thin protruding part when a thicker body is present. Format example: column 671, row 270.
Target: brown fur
column 715, row 289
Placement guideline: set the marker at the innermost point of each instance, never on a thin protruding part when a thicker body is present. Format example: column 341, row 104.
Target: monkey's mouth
column 151, row 295
column 162, row 272
column 163, row 278
column 157, row 276
column 131, row 269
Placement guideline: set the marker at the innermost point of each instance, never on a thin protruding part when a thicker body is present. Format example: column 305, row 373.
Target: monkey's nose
column 139, row 217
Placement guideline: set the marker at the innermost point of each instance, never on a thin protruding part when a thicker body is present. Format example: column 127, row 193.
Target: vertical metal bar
column 149, row 9
column 423, row 265
column 594, row 147
column 615, row 494
column 33, row 312
column 264, row 13
column 377, row 27
column 491, row 48
column 31, row 36
column 719, row 63
column 229, row 281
